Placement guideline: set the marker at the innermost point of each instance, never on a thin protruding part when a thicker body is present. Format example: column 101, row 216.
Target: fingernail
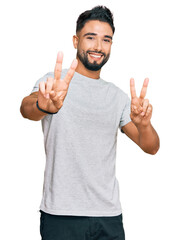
column 132, row 80
column 59, row 55
column 147, row 80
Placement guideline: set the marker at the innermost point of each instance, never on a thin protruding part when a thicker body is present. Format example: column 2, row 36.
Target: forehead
column 97, row 27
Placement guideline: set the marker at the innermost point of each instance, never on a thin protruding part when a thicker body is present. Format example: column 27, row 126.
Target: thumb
column 52, row 94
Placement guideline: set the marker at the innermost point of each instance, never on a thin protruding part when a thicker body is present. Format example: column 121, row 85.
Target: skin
column 140, row 129
column 51, row 93
column 100, row 42
column 96, row 38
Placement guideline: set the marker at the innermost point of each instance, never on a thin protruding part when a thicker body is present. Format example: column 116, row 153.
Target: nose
column 98, row 45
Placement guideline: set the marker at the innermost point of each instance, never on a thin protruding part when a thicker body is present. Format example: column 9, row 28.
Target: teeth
column 96, row 56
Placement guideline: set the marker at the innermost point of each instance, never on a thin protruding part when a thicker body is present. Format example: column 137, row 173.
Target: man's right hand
column 53, row 92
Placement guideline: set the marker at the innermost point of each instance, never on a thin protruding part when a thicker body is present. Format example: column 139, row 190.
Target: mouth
column 95, row 56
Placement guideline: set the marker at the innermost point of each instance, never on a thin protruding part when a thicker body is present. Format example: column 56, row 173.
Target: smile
column 95, row 56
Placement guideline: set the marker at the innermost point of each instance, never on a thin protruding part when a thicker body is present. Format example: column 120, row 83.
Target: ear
column 75, row 41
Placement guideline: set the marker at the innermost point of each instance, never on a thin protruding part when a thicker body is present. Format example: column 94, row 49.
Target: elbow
column 152, row 151
column 22, row 111
column 156, row 150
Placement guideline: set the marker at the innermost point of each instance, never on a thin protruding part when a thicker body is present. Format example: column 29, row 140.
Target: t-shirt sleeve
column 42, row 79
column 125, row 116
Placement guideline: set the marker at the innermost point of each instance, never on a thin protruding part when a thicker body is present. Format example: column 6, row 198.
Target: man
column 81, row 114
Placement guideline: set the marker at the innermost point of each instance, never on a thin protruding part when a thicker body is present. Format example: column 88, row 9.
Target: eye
column 91, row 38
column 107, row 40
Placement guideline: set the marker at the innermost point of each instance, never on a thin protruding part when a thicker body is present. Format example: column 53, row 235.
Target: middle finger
column 145, row 106
column 48, row 86
column 71, row 71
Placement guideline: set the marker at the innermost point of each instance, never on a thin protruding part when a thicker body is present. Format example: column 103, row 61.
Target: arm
column 51, row 93
column 29, row 109
column 146, row 138
column 140, row 129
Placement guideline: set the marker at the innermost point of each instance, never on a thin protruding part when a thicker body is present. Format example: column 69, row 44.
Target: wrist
column 144, row 128
column 42, row 110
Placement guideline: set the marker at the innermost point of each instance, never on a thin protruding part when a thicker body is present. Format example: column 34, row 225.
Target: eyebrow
column 95, row 34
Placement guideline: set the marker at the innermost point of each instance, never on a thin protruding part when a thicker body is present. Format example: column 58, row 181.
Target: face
column 93, row 44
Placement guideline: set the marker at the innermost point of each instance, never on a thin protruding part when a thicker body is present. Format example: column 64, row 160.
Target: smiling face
column 93, row 44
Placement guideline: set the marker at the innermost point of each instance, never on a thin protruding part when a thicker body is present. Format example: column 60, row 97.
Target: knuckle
column 150, row 107
column 134, row 101
column 49, row 86
column 49, row 79
column 69, row 76
column 59, row 94
column 58, row 104
column 146, row 101
column 41, row 86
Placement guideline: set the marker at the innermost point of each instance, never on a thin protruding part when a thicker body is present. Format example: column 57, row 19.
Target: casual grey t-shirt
column 80, row 146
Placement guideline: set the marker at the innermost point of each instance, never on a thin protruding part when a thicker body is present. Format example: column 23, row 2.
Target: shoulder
column 51, row 74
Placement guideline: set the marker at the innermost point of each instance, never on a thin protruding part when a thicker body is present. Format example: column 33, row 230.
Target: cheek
column 86, row 45
column 107, row 48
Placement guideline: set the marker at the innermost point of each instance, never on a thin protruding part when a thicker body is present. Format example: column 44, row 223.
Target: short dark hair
column 100, row 13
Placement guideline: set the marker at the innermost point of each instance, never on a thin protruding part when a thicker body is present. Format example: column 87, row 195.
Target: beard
column 92, row 66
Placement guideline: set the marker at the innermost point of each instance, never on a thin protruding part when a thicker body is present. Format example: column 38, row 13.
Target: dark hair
column 100, row 13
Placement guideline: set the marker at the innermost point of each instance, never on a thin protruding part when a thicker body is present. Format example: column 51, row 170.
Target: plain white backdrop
column 145, row 44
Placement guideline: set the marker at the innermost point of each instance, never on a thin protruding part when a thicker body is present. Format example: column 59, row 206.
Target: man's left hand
column 141, row 109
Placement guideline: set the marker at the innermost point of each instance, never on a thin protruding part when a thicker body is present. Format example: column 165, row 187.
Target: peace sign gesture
column 53, row 92
column 141, row 110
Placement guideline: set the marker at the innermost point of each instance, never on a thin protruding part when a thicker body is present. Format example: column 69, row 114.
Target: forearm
column 29, row 109
column 148, row 139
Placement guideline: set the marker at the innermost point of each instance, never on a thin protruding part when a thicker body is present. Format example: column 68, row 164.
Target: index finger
column 58, row 66
column 71, row 71
column 144, row 88
column 132, row 88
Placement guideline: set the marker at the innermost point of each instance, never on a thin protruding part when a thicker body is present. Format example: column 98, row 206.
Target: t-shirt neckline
column 79, row 77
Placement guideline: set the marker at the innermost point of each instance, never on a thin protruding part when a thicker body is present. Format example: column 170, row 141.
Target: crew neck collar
column 82, row 75
column 82, row 78
column 86, row 79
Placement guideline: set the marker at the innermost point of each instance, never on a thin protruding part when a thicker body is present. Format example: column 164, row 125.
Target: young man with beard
column 81, row 114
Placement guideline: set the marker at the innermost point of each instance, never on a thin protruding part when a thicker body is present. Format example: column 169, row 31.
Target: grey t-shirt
column 80, row 146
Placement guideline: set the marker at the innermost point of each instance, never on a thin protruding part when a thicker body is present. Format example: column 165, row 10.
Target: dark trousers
column 68, row 227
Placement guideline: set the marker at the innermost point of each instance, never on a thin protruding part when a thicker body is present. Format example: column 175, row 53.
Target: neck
column 85, row 72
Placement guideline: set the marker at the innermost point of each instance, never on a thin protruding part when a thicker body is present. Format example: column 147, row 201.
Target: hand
column 141, row 109
column 53, row 92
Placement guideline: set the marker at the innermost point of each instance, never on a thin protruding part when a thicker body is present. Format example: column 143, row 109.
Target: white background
column 145, row 45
